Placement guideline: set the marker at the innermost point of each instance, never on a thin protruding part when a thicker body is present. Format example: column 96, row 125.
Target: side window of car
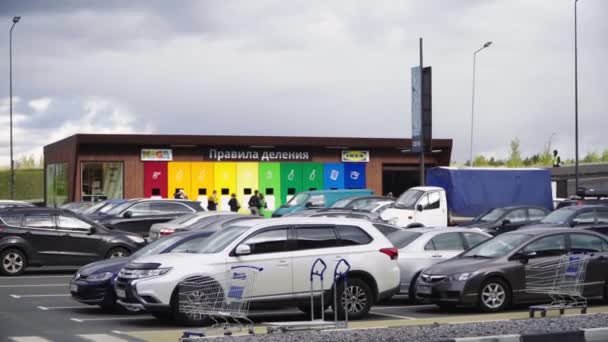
column 445, row 242
column 12, row 219
column 38, row 221
column 169, row 207
column 548, row 246
column 423, row 201
column 584, row 218
column 270, row 241
column 474, row 239
column 536, row 214
column 190, row 245
column 517, row 216
column 581, row 243
column 141, row 209
column 602, row 217
column 433, row 201
column 72, row 223
column 317, row 200
column 386, row 229
column 316, row 237
column 353, row 236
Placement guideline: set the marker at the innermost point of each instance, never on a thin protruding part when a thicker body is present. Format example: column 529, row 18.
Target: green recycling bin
column 270, row 186
column 312, row 176
column 291, row 180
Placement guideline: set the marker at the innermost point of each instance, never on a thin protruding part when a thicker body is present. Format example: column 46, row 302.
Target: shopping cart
column 561, row 279
column 317, row 271
column 223, row 298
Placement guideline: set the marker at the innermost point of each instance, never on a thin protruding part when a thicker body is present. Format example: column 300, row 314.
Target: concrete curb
column 583, row 335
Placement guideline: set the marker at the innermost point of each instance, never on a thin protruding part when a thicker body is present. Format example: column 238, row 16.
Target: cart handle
column 340, row 274
column 259, row 269
column 314, row 272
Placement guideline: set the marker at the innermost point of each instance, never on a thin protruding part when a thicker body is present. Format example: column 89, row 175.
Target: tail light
column 392, row 253
column 580, row 203
column 166, row 231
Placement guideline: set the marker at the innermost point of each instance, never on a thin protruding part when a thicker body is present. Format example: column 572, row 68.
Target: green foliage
column 28, row 162
column 592, row 157
column 29, row 184
column 515, row 155
column 605, row 156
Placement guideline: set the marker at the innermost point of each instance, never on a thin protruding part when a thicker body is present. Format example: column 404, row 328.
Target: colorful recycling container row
column 277, row 181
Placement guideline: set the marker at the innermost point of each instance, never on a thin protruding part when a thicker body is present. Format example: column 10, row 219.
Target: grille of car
column 432, row 278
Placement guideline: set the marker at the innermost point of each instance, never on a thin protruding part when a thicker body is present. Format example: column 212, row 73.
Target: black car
column 137, row 216
column 94, row 283
column 586, row 197
column 347, row 214
column 221, row 221
column 77, row 207
column 99, row 209
column 501, row 220
column 492, row 275
column 574, row 216
column 15, row 204
column 196, row 220
column 57, row 237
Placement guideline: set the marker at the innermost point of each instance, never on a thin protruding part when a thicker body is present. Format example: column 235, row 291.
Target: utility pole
column 422, row 175
column 10, row 40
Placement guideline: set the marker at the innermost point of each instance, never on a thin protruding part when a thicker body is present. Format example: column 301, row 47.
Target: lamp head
column 16, row 19
column 487, row 44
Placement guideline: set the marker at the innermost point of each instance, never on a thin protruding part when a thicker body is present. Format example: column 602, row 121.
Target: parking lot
column 37, row 307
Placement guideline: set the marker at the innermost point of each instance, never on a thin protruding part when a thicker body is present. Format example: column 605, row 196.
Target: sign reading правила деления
column 225, row 154
column 351, row 156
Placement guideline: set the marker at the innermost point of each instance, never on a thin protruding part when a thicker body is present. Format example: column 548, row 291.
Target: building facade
column 91, row 167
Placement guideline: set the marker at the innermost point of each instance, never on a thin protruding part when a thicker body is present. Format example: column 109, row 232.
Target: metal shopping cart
column 317, row 271
column 562, row 279
column 223, row 298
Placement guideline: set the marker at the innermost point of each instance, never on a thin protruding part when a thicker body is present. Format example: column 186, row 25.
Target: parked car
column 359, row 202
column 585, row 196
column 198, row 219
column 386, row 228
column 500, row 220
column 222, row 221
column 574, row 216
column 347, row 214
column 51, row 237
column 317, row 199
column 99, row 209
column 137, row 216
column 15, row 204
column 420, row 248
column 492, row 275
column 286, row 249
column 76, row 207
column 93, row 284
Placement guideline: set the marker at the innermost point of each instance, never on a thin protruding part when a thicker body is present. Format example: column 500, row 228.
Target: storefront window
column 56, row 184
column 101, row 181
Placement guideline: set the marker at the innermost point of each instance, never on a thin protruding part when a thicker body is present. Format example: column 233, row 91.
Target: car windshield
column 119, row 208
column 220, row 240
column 343, row 203
column 497, row 247
column 559, row 216
column 157, row 246
column 491, row 215
column 299, row 199
column 408, row 199
column 94, row 208
column 402, row 238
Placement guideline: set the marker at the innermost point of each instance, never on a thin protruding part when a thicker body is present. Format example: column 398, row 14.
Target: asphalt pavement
column 37, row 307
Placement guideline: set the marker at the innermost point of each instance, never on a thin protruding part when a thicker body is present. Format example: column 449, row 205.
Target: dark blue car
column 94, row 283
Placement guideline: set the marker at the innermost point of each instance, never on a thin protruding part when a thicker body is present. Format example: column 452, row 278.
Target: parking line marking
column 47, row 308
column 29, row 339
column 40, row 295
column 36, row 285
column 82, row 320
column 101, row 338
column 394, row 316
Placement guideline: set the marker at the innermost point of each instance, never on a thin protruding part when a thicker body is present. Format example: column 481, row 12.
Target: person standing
column 254, row 203
column 556, row 159
column 212, row 201
column 234, row 203
column 263, row 205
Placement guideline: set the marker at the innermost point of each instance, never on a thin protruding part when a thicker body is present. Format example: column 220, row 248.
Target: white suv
column 285, row 248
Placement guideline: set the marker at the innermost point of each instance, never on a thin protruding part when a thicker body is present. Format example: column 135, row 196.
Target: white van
column 422, row 206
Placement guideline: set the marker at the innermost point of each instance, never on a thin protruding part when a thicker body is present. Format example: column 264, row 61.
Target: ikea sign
column 349, row 156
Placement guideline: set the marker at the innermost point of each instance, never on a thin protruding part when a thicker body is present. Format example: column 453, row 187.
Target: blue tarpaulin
column 472, row 191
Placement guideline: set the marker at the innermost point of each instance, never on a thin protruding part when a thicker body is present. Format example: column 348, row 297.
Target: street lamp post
column 12, row 175
column 575, row 102
column 473, row 102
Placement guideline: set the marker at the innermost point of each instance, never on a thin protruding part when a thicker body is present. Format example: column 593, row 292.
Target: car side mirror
column 506, row 222
column 308, row 204
column 419, row 207
column 242, row 250
column 127, row 214
column 524, row 257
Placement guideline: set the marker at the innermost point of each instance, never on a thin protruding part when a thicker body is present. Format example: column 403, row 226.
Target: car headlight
column 136, row 239
column 100, row 276
column 463, row 276
column 139, row 274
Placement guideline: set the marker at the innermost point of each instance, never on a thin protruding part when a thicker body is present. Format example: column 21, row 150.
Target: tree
column 605, row 156
column 515, row 155
column 481, row 161
column 592, row 157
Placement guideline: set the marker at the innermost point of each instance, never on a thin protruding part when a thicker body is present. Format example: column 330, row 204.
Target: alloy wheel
column 12, row 263
column 119, row 253
column 493, row 295
column 354, row 299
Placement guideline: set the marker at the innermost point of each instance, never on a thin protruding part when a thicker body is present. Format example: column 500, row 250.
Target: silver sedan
column 420, row 248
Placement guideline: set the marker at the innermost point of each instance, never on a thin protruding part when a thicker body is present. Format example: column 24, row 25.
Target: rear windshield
column 559, row 216
column 402, row 238
column 491, row 215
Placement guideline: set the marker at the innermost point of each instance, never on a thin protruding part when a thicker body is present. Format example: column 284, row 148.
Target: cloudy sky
column 306, row 68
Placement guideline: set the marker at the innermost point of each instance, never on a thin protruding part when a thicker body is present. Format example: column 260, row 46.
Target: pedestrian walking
column 263, row 205
column 212, row 201
column 254, row 203
column 234, row 203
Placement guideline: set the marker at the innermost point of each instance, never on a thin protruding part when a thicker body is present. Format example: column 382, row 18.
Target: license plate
column 74, row 288
column 424, row 289
column 121, row 293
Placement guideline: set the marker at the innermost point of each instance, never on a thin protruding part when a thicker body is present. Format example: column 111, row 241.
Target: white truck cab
column 422, row 206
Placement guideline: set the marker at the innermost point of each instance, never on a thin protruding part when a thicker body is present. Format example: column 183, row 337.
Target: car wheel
column 494, row 295
column 118, row 252
column 189, row 299
column 13, row 262
column 357, row 298
column 411, row 294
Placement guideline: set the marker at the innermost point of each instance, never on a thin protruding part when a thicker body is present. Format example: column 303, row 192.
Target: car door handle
column 282, row 263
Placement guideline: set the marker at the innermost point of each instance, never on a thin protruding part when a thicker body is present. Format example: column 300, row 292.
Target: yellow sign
column 349, row 156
